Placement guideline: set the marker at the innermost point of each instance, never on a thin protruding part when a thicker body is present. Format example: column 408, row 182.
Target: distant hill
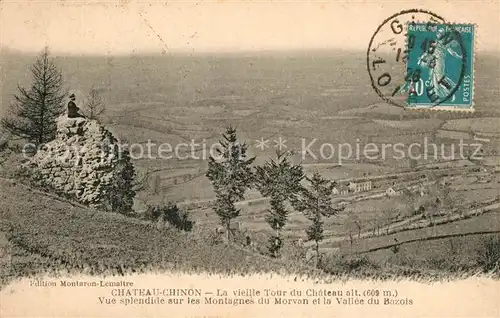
column 316, row 78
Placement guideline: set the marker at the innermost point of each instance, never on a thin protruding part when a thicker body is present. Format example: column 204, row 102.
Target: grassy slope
column 44, row 231
column 486, row 222
column 460, row 249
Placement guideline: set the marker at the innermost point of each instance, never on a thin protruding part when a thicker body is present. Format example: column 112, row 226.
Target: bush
column 488, row 254
column 343, row 264
column 293, row 251
column 206, row 235
column 170, row 213
column 152, row 213
column 120, row 193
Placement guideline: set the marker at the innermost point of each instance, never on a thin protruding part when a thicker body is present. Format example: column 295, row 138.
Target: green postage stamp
column 440, row 66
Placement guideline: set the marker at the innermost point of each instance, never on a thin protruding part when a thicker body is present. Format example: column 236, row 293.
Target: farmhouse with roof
column 393, row 191
column 340, row 190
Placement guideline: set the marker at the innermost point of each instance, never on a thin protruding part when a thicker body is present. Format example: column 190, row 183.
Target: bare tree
column 33, row 114
column 95, row 106
column 388, row 216
column 155, row 184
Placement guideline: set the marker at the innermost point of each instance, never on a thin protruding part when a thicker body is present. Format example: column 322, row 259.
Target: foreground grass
column 45, row 233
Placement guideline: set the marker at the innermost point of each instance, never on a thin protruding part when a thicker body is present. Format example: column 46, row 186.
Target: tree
column 353, row 225
column 33, row 114
column 95, row 106
column 226, row 210
column 121, row 193
column 156, row 184
column 388, row 214
column 442, row 201
column 280, row 181
column 316, row 203
column 379, row 222
column 231, row 175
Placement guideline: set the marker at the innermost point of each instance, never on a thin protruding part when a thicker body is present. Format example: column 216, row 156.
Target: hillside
column 40, row 232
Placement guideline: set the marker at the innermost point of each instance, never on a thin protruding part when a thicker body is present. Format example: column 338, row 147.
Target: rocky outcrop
column 84, row 161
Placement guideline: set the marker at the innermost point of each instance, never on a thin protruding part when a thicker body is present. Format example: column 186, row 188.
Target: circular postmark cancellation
column 416, row 58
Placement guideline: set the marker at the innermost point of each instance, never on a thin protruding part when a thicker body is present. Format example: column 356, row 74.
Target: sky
column 125, row 27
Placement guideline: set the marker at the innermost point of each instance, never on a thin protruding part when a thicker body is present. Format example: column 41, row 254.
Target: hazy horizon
column 219, row 27
column 249, row 53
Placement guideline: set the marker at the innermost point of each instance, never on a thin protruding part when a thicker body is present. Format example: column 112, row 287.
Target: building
column 356, row 187
column 392, row 192
column 340, row 190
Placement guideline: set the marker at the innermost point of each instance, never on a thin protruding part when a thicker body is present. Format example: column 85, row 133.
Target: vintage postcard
column 250, row 158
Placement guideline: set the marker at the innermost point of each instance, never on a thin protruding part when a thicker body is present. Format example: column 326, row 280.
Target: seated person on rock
column 73, row 110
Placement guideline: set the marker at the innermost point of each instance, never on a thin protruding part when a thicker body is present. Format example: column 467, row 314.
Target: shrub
column 214, row 239
column 449, row 259
column 488, row 254
column 206, row 235
column 152, row 213
column 170, row 213
column 120, row 194
column 402, row 258
column 343, row 264
column 294, row 251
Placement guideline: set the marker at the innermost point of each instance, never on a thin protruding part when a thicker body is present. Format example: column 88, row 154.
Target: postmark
column 387, row 54
column 442, row 57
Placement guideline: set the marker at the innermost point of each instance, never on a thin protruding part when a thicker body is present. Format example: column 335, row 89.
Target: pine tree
column 33, row 114
column 231, row 175
column 280, row 181
column 95, row 106
column 316, row 203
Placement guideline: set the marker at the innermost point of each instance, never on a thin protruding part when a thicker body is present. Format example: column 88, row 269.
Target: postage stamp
column 440, row 66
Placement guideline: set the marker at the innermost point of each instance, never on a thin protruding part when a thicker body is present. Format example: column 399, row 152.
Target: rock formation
column 84, row 161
